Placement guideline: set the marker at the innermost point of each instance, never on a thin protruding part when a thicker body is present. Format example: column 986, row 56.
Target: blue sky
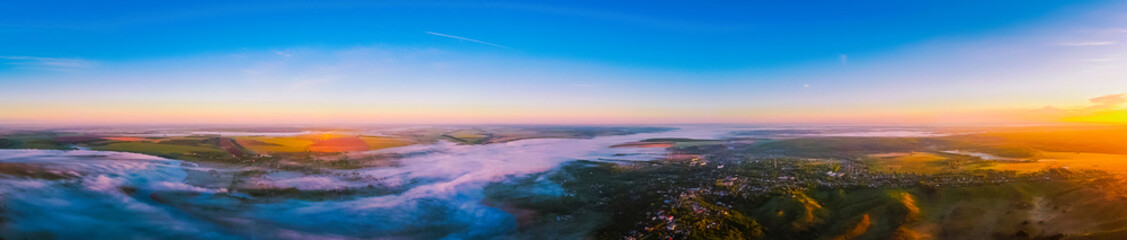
column 721, row 62
column 686, row 36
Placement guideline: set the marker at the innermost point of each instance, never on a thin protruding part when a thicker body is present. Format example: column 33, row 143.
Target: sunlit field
column 327, row 142
column 1111, row 163
column 927, row 163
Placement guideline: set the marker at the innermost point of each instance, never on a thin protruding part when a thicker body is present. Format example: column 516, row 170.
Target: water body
column 983, row 156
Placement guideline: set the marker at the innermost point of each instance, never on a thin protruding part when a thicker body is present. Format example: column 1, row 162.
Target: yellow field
column 1107, row 139
column 927, row 163
column 378, row 142
column 918, row 162
column 274, row 144
column 326, row 142
column 1112, row 163
column 321, row 136
column 468, row 136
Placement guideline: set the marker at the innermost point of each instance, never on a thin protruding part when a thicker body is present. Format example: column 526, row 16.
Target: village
column 702, row 199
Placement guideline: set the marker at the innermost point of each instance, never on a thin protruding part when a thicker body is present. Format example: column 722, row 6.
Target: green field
column 274, row 144
column 160, row 149
column 468, row 136
column 617, row 198
column 33, row 141
column 925, row 163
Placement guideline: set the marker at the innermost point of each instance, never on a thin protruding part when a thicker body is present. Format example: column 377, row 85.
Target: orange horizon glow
column 196, row 113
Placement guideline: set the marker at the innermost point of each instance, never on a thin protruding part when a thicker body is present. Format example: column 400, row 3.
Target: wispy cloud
column 57, row 64
column 1085, row 44
column 307, row 83
column 586, row 85
column 1108, row 101
column 1104, row 31
column 1108, row 59
column 844, row 59
column 1091, row 112
column 1105, row 102
column 468, row 39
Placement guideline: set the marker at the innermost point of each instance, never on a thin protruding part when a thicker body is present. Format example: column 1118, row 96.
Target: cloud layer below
column 119, row 195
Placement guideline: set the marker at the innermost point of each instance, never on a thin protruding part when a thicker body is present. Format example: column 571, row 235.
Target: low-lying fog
column 112, row 195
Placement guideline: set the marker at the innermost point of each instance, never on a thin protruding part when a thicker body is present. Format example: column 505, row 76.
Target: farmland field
column 1113, row 163
column 319, row 143
column 156, row 148
column 274, row 144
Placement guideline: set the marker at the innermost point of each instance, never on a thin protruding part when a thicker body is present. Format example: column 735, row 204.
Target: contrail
column 469, row 39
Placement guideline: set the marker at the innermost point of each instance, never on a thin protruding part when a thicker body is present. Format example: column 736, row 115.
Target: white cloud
column 45, row 62
column 309, row 83
column 586, row 85
column 1108, row 101
column 1109, row 59
column 468, row 39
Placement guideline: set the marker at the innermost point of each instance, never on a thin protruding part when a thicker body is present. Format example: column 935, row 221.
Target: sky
column 563, row 62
